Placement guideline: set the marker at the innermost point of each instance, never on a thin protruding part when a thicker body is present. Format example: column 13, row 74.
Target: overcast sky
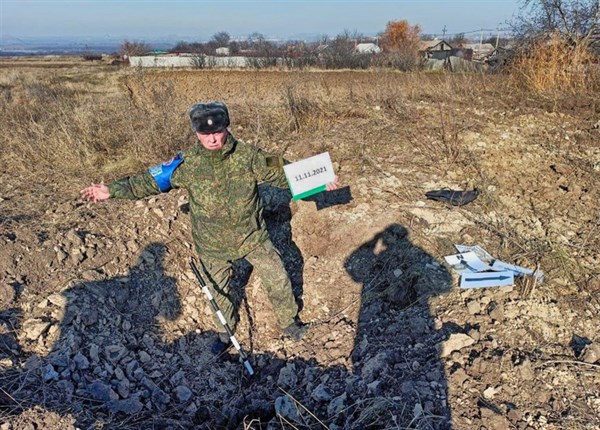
column 200, row 19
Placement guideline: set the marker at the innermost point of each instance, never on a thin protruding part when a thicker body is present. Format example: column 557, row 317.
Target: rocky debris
column 126, row 406
column 285, row 407
column 321, row 394
column 49, row 374
column 101, row 391
column 456, row 342
column 591, row 353
column 34, row 328
column 288, row 376
column 183, row 393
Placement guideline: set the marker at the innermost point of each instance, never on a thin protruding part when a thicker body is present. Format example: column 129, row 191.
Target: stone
column 119, row 374
column 374, row 367
column 375, row 387
column 497, row 422
column 407, row 387
column 497, row 313
column 145, row 357
column 526, row 370
column 59, row 359
column 66, row 387
column 490, row 392
column 49, row 374
column 473, row 307
column 81, row 361
column 183, row 393
column 591, row 353
column 288, row 376
column 417, row 410
column 123, row 388
column 320, row 394
column 34, row 328
column 159, row 397
column 456, row 342
column 286, row 408
column 114, row 353
column 94, row 353
column 177, row 378
column 101, row 391
column 89, row 316
column 127, row 406
column 131, row 367
column 337, row 405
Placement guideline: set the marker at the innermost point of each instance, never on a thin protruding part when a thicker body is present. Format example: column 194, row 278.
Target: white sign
column 478, row 250
column 467, row 262
column 309, row 176
column 479, row 269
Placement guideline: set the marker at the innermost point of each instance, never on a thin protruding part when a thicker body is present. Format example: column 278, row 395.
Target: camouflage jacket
column 225, row 208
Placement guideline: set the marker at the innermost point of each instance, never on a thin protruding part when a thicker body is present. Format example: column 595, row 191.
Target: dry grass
column 554, row 66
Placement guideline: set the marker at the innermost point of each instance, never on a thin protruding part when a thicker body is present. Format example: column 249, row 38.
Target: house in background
column 223, row 50
column 367, row 48
column 436, row 49
column 481, row 51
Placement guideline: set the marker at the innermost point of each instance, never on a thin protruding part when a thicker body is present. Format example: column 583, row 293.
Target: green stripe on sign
column 310, row 192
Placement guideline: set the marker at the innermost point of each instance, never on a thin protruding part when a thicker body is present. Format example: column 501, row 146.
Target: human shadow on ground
column 107, row 342
column 395, row 346
column 112, row 367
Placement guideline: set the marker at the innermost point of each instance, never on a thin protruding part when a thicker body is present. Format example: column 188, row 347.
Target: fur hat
column 211, row 117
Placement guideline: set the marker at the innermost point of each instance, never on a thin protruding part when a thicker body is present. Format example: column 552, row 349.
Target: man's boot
column 296, row 330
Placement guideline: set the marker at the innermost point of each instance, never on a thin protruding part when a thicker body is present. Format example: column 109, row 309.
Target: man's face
column 213, row 141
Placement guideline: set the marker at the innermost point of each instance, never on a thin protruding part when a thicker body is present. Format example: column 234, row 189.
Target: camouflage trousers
column 269, row 267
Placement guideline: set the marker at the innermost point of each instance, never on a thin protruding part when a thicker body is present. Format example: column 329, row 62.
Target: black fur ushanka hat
column 211, row 117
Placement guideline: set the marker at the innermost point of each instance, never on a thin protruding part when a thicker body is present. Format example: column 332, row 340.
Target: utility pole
column 480, row 43
column 444, row 30
column 497, row 36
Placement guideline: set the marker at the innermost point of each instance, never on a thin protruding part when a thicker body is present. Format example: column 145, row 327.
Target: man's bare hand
column 333, row 185
column 95, row 193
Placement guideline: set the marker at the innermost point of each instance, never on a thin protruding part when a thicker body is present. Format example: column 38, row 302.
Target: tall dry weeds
column 554, row 66
column 50, row 125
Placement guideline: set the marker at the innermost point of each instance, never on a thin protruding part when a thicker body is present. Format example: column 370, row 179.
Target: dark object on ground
column 218, row 347
column 328, row 199
column 296, row 330
column 220, row 344
column 454, row 197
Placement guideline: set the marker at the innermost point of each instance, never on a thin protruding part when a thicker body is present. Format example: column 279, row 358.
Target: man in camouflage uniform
column 221, row 175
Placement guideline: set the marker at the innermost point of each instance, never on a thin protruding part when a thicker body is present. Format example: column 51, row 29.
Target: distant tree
column 234, row 48
column 458, row 40
column 575, row 20
column 339, row 52
column 130, row 48
column 221, row 38
column 400, row 35
column 400, row 42
column 256, row 37
column 193, row 47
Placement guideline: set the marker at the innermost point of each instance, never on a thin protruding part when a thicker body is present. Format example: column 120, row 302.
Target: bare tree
column 222, row 38
column 458, row 40
column 130, row 48
column 576, row 20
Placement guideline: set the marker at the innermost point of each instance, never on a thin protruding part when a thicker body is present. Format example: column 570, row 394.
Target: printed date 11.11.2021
column 310, row 173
